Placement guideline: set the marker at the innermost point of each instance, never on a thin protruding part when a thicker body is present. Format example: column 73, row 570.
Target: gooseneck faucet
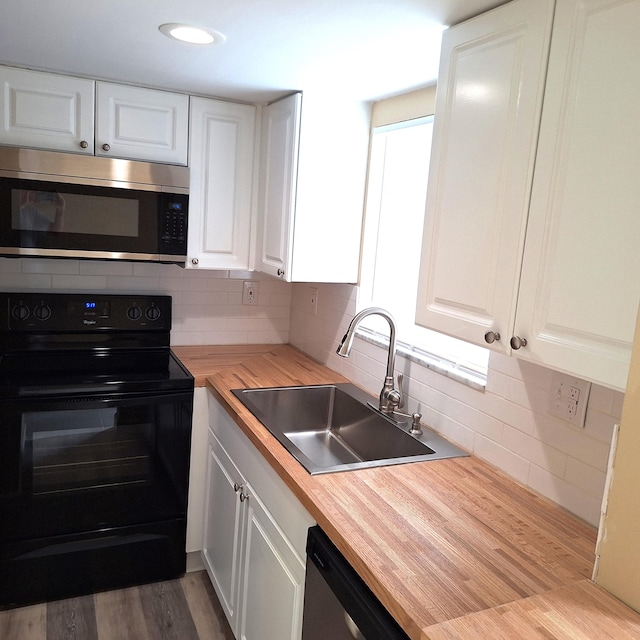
column 390, row 397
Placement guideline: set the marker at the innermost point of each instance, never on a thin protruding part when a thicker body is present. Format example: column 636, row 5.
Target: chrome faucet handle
column 401, row 390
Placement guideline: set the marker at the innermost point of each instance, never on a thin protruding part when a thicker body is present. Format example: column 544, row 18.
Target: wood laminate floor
column 182, row 609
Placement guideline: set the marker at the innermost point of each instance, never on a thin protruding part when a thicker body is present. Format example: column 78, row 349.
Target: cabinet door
column 225, row 518
column 141, row 124
column 488, row 105
column 220, row 201
column 279, row 166
column 579, row 292
column 46, row 111
column 273, row 579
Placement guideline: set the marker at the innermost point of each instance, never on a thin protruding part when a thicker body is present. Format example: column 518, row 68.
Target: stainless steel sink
column 332, row 428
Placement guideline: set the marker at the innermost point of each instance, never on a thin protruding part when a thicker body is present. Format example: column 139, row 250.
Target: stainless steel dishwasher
column 337, row 602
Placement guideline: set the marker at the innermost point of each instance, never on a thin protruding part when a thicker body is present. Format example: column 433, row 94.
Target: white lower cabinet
column 254, row 537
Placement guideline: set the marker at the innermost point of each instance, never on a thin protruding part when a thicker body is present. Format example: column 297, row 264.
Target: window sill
column 452, row 370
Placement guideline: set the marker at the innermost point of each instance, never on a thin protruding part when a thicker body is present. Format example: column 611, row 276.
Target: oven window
column 53, row 211
column 89, row 448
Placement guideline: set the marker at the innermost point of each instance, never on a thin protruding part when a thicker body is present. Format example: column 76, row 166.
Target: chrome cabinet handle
column 237, row 487
column 84, row 144
column 516, row 342
column 281, row 272
column 243, row 496
column 491, row 336
column 106, row 147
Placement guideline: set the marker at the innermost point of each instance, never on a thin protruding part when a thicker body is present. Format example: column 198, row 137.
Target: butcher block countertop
column 453, row 548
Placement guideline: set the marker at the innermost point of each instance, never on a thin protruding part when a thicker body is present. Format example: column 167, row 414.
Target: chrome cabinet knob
column 106, row 147
column 491, row 336
column 84, row 144
column 237, row 487
column 516, row 342
column 194, row 261
column 243, row 496
column 281, row 272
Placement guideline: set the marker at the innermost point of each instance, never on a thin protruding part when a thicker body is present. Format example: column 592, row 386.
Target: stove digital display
column 89, row 305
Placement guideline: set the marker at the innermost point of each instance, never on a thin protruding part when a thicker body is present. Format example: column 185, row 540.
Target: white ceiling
column 362, row 49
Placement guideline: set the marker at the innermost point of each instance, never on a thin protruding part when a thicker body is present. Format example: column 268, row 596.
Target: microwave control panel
column 173, row 223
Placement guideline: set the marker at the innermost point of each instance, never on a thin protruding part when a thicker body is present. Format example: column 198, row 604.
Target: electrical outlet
column 250, row 292
column 569, row 398
column 313, row 300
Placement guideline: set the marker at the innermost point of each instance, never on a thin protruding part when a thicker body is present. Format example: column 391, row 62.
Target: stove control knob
column 20, row 311
column 42, row 312
column 153, row 313
column 134, row 313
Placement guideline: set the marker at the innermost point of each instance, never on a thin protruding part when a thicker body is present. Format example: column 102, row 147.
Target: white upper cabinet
column 222, row 151
column 312, row 180
column 279, row 170
column 488, row 105
column 142, row 124
column 566, row 296
column 46, row 111
column 579, row 290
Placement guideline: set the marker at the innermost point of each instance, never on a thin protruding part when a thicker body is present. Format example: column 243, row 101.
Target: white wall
column 507, row 424
column 207, row 305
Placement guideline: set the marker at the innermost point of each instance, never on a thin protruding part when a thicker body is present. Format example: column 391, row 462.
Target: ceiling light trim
column 191, row 34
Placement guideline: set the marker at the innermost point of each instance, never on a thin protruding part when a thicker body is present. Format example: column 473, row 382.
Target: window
column 396, row 196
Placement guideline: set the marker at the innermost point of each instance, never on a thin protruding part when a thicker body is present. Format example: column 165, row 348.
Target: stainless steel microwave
column 65, row 205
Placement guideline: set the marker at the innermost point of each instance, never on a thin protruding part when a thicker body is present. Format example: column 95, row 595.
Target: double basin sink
column 333, row 427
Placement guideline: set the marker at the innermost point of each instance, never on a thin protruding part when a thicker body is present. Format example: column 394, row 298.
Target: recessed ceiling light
column 191, row 34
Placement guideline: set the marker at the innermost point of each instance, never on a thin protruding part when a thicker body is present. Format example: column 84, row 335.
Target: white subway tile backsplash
column 102, row 268
column 10, row 265
column 508, row 424
column 15, row 281
column 565, row 494
column 535, row 451
column 78, row 282
column 38, row 265
column 585, row 477
column 516, row 466
column 207, row 305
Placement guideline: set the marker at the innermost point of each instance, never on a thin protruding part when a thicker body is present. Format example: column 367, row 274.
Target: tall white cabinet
column 279, row 172
column 311, row 194
column 221, row 161
column 529, row 250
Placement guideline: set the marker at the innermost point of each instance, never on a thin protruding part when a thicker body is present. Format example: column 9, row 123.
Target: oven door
column 87, row 221
column 93, row 493
column 92, row 463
